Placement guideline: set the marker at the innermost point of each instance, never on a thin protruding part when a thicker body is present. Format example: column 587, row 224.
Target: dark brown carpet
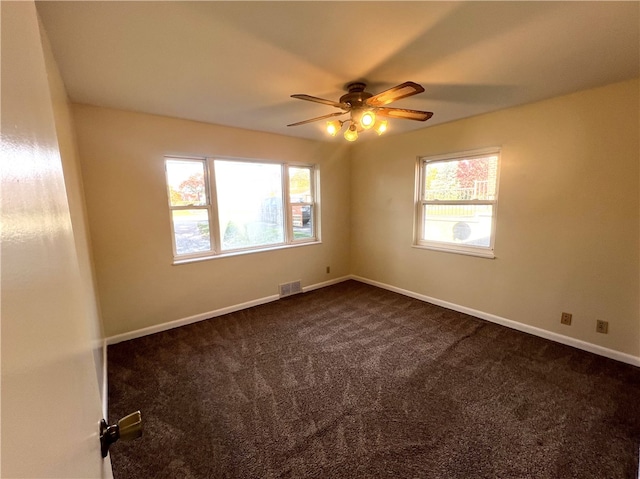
column 352, row 381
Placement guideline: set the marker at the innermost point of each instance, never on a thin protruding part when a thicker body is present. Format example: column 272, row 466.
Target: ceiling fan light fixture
column 364, row 109
column 380, row 127
column 333, row 127
column 352, row 133
column 368, row 119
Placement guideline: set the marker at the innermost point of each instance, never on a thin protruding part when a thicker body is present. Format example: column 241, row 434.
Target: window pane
column 249, row 204
column 300, row 184
column 302, row 218
column 186, row 183
column 461, row 180
column 191, row 229
column 468, row 225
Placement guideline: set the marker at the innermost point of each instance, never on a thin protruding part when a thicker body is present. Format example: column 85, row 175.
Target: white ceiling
column 237, row 63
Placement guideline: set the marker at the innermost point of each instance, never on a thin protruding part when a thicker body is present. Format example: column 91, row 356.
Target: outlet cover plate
column 602, row 326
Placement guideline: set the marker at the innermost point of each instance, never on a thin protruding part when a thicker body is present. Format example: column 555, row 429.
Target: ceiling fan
column 364, row 109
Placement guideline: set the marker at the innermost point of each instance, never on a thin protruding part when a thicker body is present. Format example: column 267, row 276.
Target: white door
column 50, row 399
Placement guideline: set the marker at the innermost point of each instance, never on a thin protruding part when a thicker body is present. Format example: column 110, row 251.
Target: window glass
column 302, row 219
column 458, row 224
column 466, row 179
column 249, row 204
column 186, row 183
column 191, row 231
column 301, row 199
column 300, row 184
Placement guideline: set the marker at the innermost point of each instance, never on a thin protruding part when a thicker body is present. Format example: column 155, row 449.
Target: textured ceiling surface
column 237, row 63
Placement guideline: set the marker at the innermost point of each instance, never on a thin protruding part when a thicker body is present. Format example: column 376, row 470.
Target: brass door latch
column 128, row 428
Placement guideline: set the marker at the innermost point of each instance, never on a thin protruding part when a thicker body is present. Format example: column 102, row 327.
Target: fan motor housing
column 356, row 96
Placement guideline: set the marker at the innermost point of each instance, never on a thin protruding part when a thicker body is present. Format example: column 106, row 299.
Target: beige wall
column 122, row 155
column 51, row 407
column 65, row 135
column 568, row 216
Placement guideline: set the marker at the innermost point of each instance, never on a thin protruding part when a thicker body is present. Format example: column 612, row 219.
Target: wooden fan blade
column 398, row 92
column 318, row 118
column 404, row 114
column 320, row 100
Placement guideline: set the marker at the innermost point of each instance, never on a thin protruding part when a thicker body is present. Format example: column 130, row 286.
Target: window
column 224, row 206
column 456, row 200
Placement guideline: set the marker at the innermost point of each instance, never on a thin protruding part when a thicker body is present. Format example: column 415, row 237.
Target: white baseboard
column 105, row 382
column 306, row 289
column 138, row 333
column 559, row 338
column 118, row 338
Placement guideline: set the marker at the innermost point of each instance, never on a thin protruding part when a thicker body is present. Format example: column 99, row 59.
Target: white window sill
column 194, row 259
column 479, row 252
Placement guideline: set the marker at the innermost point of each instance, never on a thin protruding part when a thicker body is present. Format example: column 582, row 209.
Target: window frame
column 211, row 206
column 313, row 204
column 421, row 203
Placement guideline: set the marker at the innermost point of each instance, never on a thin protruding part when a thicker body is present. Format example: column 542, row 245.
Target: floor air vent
column 288, row 289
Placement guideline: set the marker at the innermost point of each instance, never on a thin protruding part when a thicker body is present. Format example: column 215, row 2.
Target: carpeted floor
column 352, row 381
